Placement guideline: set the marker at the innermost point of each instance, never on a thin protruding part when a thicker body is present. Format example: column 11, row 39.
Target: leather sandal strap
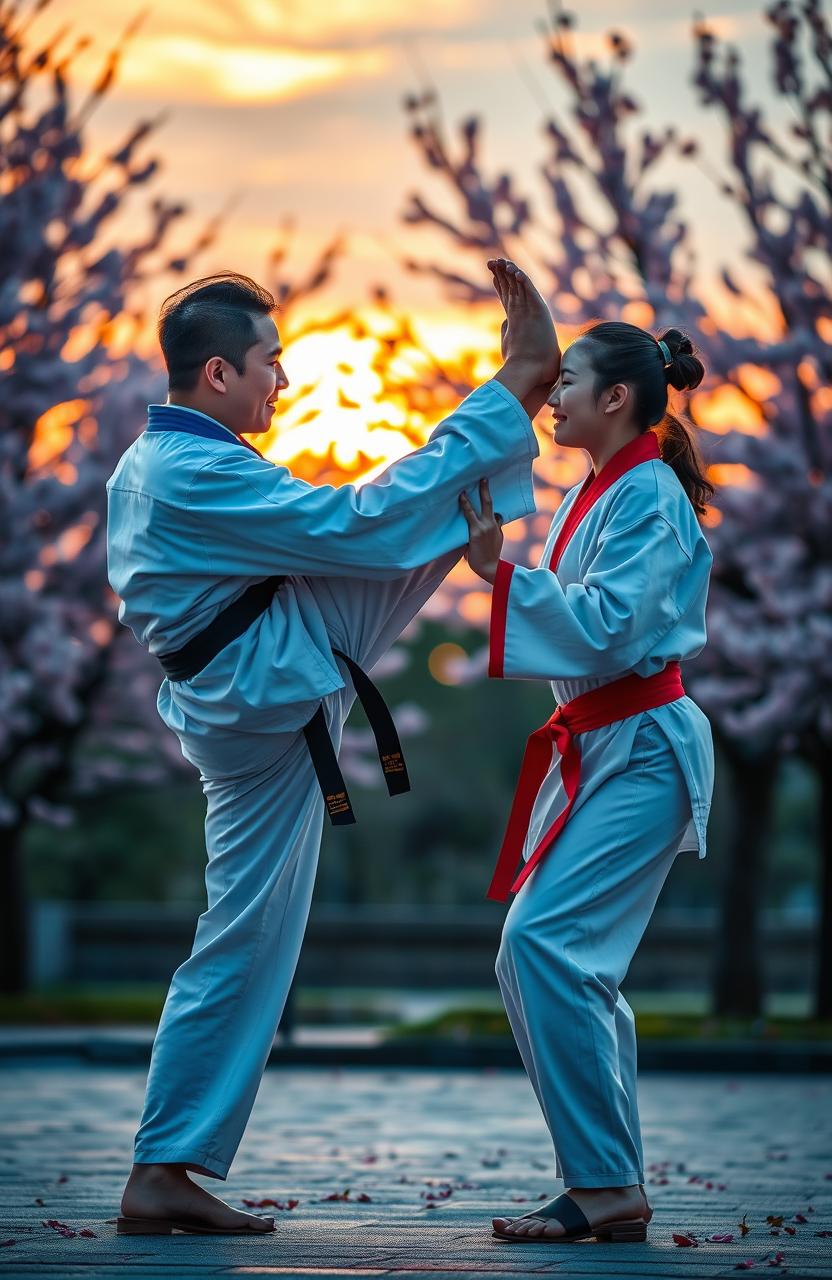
column 568, row 1213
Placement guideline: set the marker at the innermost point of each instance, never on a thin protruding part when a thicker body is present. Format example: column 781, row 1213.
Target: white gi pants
column 567, row 943
column 262, row 831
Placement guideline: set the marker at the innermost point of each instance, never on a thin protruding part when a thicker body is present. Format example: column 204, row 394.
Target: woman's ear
column 618, row 396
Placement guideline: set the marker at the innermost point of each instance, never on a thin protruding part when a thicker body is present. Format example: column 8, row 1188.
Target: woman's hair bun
column 685, row 370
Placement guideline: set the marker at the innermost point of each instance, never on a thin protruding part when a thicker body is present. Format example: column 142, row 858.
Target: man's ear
column 215, row 374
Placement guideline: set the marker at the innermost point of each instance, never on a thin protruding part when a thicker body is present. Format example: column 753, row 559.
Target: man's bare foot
column 599, row 1204
column 166, row 1191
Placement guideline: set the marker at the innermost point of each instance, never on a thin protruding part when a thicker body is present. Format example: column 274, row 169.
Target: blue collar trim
column 172, row 417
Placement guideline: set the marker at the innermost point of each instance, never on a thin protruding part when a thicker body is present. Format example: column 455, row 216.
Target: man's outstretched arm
column 251, row 517
column 256, row 518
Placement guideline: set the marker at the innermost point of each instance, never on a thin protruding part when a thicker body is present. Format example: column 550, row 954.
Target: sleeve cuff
column 510, row 398
column 499, row 617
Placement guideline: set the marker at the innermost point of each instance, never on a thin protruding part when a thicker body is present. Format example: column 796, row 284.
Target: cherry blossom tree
column 618, row 246
column 72, row 399
column 766, row 676
column 77, row 694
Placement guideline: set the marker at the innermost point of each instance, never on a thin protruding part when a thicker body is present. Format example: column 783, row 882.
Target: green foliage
column 142, row 845
column 122, row 1004
column 474, row 1023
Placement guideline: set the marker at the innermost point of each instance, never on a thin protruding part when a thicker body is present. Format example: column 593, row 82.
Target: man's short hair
column 210, row 317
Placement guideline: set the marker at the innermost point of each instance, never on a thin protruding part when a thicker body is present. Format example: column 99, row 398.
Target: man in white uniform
column 263, row 597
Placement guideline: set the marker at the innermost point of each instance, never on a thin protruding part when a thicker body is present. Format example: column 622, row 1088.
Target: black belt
column 231, row 623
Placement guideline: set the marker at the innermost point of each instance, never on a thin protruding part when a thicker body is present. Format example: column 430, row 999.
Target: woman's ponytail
column 680, row 451
column 677, row 442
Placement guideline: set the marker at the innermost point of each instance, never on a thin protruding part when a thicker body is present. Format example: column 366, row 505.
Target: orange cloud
column 299, row 20
column 192, row 68
column 252, row 51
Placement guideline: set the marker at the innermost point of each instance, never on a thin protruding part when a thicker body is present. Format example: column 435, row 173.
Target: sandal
column 577, row 1227
column 167, row 1226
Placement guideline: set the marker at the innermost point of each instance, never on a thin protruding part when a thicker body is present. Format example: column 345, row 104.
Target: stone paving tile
column 405, row 1139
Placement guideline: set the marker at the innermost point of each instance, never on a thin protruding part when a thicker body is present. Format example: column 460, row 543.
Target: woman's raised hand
column 528, row 337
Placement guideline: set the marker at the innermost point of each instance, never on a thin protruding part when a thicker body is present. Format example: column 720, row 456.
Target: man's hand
column 528, row 339
column 485, row 536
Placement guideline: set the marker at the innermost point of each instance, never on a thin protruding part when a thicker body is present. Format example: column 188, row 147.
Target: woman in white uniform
column 620, row 778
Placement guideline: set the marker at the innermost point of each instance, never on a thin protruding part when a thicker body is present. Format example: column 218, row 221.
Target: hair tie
column 665, row 350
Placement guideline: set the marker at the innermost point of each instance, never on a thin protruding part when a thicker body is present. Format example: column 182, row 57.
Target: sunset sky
column 295, row 109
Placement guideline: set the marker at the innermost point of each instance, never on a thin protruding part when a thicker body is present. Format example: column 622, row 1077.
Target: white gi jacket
column 628, row 596
column 193, row 521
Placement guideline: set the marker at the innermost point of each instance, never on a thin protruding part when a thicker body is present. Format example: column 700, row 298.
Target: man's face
column 249, row 398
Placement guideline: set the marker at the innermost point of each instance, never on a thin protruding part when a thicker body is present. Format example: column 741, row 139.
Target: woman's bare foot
column 166, row 1191
column 599, row 1204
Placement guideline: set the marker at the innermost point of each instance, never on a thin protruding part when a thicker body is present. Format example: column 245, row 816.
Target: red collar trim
column 645, row 448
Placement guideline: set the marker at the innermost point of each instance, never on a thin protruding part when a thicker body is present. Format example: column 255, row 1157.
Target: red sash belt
column 616, row 701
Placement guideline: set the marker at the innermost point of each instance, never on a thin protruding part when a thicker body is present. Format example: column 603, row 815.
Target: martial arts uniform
column 610, row 790
column 194, row 518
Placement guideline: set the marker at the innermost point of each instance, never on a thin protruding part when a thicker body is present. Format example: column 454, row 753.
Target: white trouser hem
column 629, row 1178
column 203, row 1164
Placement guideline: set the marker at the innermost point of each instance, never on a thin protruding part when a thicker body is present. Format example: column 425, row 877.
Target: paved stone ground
column 420, row 1161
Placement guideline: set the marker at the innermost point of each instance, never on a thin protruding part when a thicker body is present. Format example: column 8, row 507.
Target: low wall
column 394, row 947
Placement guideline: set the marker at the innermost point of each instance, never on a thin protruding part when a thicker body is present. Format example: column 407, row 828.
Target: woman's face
column 580, row 421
